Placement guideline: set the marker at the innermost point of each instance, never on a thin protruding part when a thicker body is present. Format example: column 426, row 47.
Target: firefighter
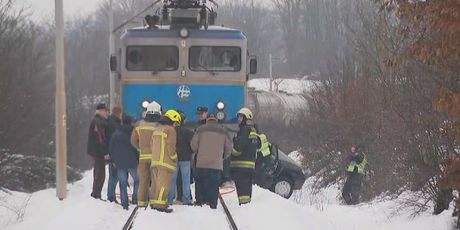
column 164, row 160
column 244, row 156
column 356, row 171
column 141, row 139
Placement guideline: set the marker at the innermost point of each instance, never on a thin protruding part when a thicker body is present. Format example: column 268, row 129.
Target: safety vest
column 361, row 166
column 264, row 145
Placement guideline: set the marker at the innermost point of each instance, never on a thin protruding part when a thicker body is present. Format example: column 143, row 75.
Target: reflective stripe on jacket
column 163, row 144
column 141, row 138
column 244, row 148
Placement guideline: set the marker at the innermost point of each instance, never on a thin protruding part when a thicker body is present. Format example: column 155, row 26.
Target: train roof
column 213, row 32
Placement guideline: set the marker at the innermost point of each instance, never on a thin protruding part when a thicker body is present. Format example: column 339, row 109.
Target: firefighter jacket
column 244, row 148
column 97, row 137
column 264, row 146
column 163, row 147
column 357, row 164
column 141, row 138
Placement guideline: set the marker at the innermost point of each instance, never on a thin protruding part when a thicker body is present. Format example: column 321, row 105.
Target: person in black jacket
column 184, row 156
column 114, row 123
column 356, row 171
column 97, row 148
column 243, row 156
column 125, row 159
column 202, row 113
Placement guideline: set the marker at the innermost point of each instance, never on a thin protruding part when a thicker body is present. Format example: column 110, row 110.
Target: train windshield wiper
column 213, row 73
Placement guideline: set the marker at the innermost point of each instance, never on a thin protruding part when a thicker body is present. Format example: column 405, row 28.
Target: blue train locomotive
column 183, row 61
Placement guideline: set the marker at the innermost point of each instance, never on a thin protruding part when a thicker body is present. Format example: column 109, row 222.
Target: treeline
column 389, row 80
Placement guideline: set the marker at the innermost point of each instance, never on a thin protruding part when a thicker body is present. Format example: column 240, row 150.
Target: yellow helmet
column 173, row 115
column 245, row 112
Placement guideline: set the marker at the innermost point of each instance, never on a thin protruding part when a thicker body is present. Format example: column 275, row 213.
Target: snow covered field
column 305, row 210
column 292, row 86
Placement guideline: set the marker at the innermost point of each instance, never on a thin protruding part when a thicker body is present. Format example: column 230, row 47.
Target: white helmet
column 153, row 108
column 245, row 112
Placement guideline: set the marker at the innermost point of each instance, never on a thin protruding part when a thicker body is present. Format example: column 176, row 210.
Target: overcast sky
column 45, row 8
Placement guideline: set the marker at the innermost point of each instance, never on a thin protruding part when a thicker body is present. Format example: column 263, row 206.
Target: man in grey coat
column 212, row 144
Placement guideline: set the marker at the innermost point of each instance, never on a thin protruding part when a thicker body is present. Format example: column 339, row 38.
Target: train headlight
column 183, row 33
column 145, row 103
column 220, row 105
column 220, row 115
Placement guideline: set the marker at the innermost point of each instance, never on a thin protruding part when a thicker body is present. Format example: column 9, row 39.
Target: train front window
column 215, row 58
column 152, row 58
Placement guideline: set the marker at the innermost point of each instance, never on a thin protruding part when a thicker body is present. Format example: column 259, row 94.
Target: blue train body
column 185, row 97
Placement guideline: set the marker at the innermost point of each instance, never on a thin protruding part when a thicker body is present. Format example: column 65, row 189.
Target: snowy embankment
column 307, row 209
column 42, row 210
column 292, row 86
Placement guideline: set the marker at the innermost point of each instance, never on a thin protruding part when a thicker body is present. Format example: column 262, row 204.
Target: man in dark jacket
column 114, row 123
column 356, row 171
column 97, row 148
column 125, row 159
column 184, row 156
column 244, row 156
column 212, row 144
column 202, row 113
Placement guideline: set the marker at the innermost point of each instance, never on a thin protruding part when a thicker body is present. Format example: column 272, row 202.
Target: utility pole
column 271, row 71
column 61, row 132
column 112, row 75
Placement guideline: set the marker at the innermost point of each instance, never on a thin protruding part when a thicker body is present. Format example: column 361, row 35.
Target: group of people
column 161, row 146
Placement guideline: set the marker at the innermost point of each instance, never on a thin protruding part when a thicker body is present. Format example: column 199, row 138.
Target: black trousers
column 207, row 183
column 352, row 188
column 98, row 176
column 243, row 179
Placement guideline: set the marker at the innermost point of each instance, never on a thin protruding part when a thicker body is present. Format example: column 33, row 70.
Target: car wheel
column 283, row 187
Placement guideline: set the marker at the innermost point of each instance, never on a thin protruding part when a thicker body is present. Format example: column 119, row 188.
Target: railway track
column 231, row 222
column 129, row 223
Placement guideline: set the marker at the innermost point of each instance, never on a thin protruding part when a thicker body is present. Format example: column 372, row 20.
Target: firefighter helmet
column 173, row 115
column 153, row 108
column 245, row 112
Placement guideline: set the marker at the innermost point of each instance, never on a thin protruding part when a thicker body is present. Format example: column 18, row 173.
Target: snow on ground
column 378, row 214
column 307, row 209
column 292, row 86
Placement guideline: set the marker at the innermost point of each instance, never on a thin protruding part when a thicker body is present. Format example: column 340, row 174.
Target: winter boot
column 165, row 210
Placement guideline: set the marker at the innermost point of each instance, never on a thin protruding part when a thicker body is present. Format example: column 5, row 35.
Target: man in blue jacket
column 125, row 159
